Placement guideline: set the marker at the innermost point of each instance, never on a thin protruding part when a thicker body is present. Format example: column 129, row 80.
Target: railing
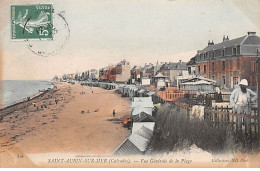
column 241, row 124
column 244, row 126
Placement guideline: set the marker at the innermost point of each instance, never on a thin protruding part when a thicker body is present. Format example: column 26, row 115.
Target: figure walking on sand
column 114, row 113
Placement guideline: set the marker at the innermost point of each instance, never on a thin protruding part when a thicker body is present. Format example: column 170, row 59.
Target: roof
column 138, row 109
column 142, row 104
column 198, row 82
column 128, row 148
column 138, row 125
column 192, row 61
column 178, row 66
column 140, row 142
column 142, row 99
column 159, row 75
column 196, row 79
column 251, row 39
column 123, row 62
column 144, row 132
column 227, row 43
column 143, row 117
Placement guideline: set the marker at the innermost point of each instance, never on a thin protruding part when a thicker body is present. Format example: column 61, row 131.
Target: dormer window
column 234, row 51
column 213, row 54
column 223, row 52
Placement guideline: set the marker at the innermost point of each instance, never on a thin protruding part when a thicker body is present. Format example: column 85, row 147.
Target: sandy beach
column 80, row 122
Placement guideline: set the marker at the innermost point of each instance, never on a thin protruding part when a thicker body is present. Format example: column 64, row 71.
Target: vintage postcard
column 129, row 83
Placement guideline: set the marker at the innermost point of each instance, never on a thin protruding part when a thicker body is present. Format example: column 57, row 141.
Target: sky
column 104, row 32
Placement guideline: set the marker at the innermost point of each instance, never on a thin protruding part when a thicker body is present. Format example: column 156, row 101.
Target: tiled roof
column 244, row 40
column 225, row 44
column 192, row 61
column 252, row 40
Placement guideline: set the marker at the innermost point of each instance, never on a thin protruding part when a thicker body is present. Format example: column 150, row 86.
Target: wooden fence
column 243, row 125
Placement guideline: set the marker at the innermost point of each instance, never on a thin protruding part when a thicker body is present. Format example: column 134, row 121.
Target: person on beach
column 114, row 113
column 56, row 101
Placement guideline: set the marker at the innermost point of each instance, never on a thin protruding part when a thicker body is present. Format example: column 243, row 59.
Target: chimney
column 210, row 43
column 251, row 33
column 225, row 38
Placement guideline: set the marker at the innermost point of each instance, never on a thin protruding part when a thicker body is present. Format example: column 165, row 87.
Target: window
column 223, row 52
column 223, row 65
column 253, row 66
column 213, row 66
column 204, row 56
column 235, row 80
column 199, row 69
column 189, row 70
column 205, row 69
column 234, row 51
column 224, row 80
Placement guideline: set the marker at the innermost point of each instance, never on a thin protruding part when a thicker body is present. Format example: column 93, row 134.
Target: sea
column 14, row 91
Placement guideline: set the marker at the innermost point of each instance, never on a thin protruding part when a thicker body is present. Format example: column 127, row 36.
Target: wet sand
column 78, row 123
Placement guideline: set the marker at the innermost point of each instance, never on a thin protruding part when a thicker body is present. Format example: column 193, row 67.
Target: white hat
column 243, row 82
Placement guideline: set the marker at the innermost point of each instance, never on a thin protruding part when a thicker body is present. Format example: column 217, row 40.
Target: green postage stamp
column 31, row 22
